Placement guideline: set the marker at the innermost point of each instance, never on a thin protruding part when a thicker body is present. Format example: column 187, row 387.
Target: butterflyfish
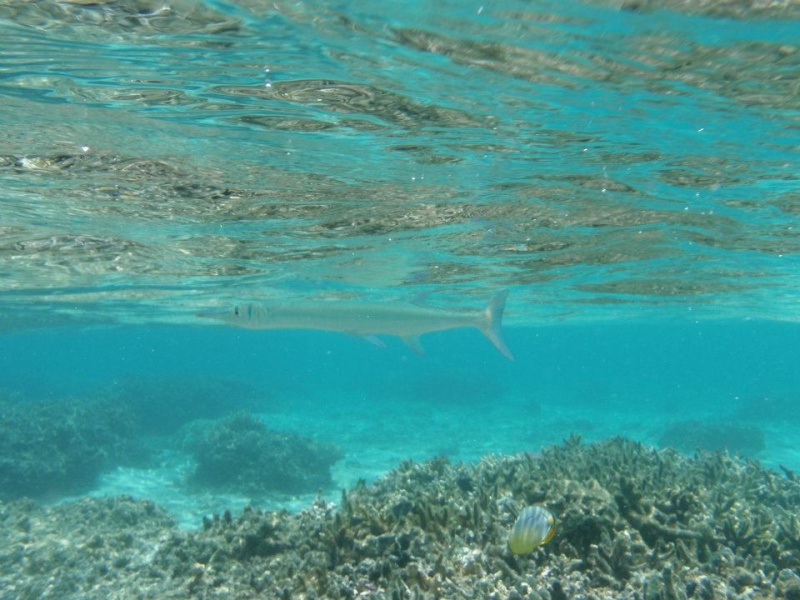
column 534, row 527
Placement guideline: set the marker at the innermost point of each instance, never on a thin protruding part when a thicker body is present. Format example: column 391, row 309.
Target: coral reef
column 53, row 448
column 65, row 551
column 690, row 436
column 633, row 523
column 242, row 454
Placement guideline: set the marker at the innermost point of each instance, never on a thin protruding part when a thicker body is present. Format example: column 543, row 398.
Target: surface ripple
column 601, row 159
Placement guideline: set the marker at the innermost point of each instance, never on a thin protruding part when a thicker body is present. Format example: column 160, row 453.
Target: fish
column 534, row 527
column 369, row 320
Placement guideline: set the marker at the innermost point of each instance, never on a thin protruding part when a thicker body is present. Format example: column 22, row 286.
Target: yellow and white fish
column 534, row 527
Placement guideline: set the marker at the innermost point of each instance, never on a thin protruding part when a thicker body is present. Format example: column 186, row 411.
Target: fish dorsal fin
column 413, row 342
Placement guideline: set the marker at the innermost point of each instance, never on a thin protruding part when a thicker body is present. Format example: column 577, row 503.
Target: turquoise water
column 628, row 171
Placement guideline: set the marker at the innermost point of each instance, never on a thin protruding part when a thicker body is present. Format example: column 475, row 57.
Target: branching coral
column 241, row 454
column 54, row 448
column 633, row 523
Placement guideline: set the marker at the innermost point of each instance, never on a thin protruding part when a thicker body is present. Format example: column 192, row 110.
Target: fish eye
column 236, row 310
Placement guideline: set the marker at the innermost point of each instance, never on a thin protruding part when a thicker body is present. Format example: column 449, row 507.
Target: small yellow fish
column 534, row 527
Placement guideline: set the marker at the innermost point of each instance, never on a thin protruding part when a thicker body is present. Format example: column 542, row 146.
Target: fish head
column 241, row 315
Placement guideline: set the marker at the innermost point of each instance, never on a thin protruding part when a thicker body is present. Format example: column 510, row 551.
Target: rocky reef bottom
column 633, row 523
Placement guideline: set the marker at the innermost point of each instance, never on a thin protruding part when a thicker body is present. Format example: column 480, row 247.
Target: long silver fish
column 406, row 321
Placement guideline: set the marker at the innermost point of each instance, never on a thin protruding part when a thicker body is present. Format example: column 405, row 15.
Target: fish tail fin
column 492, row 323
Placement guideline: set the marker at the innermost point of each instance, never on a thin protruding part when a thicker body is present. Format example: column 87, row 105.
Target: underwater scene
column 404, row 300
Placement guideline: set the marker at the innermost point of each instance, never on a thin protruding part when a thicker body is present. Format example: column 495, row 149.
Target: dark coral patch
column 48, row 449
column 241, row 454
